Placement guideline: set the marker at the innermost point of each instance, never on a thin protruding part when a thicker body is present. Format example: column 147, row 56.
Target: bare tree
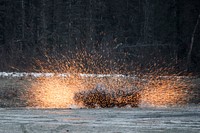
column 191, row 44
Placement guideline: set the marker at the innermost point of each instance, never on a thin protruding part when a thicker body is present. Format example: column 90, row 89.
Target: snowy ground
column 24, row 74
column 35, row 75
column 115, row 120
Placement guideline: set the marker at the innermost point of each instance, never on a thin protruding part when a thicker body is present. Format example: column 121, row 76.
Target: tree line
column 142, row 33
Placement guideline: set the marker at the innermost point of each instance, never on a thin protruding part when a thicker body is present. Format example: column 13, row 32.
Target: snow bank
column 36, row 75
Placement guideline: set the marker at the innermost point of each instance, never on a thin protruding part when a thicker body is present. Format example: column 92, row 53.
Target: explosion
column 65, row 91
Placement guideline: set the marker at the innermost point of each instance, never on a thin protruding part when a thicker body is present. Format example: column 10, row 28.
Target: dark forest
column 119, row 35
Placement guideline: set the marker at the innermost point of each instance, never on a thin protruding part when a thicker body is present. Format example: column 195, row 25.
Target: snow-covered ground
column 32, row 74
column 35, row 75
column 114, row 120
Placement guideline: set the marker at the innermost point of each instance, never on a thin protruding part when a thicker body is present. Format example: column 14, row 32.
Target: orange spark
column 165, row 92
column 57, row 92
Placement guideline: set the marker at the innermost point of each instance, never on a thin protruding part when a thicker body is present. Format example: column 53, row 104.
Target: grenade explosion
column 78, row 88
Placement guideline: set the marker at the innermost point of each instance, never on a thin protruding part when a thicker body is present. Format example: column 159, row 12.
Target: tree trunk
column 44, row 23
column 191, row 45
column 177, row 29
column 23, row 19
column 23, row 24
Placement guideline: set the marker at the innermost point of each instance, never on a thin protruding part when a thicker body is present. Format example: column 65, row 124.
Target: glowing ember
column 164, row 92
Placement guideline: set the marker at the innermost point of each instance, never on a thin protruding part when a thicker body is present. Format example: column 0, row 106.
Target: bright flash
column 52, row 92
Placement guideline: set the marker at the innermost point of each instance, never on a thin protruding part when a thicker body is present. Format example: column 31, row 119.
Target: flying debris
column 102, row 97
